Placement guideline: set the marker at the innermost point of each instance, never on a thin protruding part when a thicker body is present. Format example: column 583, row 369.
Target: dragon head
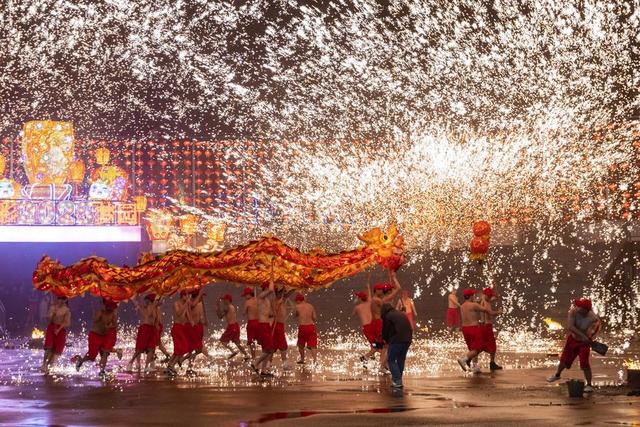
column 384, row 244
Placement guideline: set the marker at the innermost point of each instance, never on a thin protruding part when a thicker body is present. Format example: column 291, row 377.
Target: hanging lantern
column 188, row 224
column 76, row 172
column 141, row 203
column 481, row 228
column 3, row 164
column 102, row 156
column 479, row 247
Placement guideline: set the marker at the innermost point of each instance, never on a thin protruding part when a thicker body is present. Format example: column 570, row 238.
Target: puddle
column 265, row 418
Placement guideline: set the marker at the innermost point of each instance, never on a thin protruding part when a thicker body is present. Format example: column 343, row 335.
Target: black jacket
column 395, row 325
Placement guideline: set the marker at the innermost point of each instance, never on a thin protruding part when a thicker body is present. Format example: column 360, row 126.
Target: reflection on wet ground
column 338, row 391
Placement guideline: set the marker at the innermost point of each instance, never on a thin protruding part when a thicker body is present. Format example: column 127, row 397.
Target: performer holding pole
column 59, row 317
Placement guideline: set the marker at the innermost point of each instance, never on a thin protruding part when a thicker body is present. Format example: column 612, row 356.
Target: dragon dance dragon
column 250, row 264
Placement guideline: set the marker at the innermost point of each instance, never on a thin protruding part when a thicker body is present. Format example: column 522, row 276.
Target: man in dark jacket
column 397, row 333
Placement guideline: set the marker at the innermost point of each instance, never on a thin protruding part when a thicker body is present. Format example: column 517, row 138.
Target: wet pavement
column 336, row 392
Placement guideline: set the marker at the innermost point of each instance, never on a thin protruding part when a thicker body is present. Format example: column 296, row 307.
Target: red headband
column 362, row 295
column 299, row 297
column 469, row 292
column 583, row 303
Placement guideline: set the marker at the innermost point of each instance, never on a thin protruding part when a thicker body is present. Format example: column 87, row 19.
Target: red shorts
column 196, row 336
column 574, row 348
column 265, row 337
column 368, row 333
column 252, row 331
column 279, row 337
column 146, row 337
column 180, row 339
column 376, row 330
column 231, row 333
column 489, row 338
column 307, row 336
column 453, row 317
column 158, row 335
column 101, row 343
column 54, row 342
column 474, row 337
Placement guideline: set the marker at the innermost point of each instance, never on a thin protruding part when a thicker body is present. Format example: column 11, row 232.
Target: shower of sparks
column 429, row 113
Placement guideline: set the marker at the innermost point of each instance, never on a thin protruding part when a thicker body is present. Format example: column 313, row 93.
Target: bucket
column 576, row 388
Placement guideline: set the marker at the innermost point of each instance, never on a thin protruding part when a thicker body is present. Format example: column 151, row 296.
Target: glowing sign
column 54, row 233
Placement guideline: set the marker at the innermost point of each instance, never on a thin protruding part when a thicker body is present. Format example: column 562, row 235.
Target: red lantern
column 479, row 246
column 481, row 228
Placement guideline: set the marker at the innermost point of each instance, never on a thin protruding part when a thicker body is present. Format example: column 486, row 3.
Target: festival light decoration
column 48, row 151
column 141, row 203
column 76, row 172
column 253, row 263
column 102, row 156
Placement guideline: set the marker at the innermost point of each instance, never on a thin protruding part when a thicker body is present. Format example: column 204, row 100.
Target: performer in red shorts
column 179, row 332
column 281, row 314
column 265, row 331
column 55, row 338
column 488, row 296
column 103, row 335
column 583, row 325
column 473, row 333
column 453, row 310
column 195, row 329
column 307, row 335
column 362, row 309
column 250, row 310
column 146, row 338
column 227, row 310
column 383, row 293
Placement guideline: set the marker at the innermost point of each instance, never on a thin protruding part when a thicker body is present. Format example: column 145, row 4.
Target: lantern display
column 141, row 203
column 102, row 156
column 215, row 231
column 47, row 150
column 188, row 224
column 76, row 172
column 3, row 164
column 159, row 224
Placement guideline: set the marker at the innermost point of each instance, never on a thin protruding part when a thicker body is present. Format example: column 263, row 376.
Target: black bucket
column 576, row 388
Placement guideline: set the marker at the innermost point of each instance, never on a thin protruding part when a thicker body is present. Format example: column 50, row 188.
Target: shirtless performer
column 227, row 310
column 362, row 309
column 582, row 327
column 250, row 310
column 453, row 310
column 383, row 293
column 59, row 320
column 471, row 329
column 265, row 332
column 281, row 310
column 406, row 305
column 159, row 330
column 196, row 329
column 147, row 332
column 489, row 295
column 103, row 335
column 180, row 331
column 307, row 334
